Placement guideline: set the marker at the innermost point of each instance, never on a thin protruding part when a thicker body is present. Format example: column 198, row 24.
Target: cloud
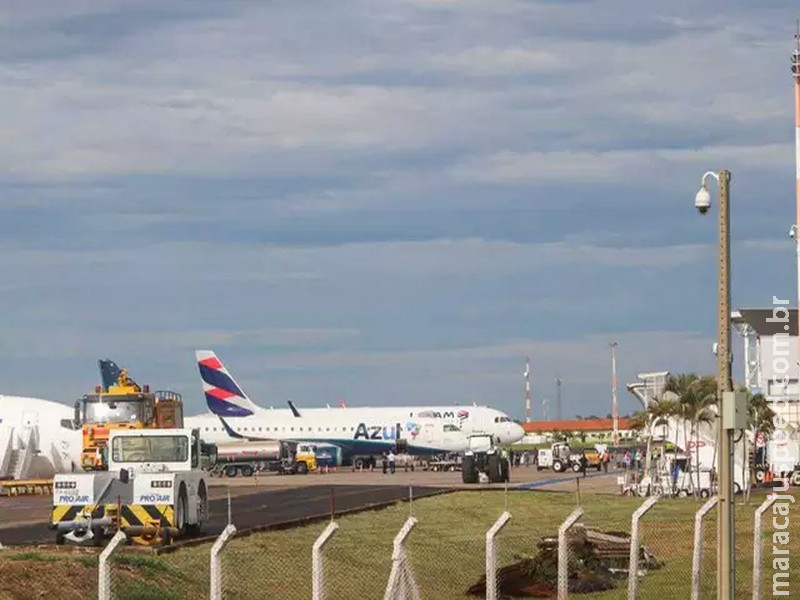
column 483, row 60
column 617, row 166
column 406, row 200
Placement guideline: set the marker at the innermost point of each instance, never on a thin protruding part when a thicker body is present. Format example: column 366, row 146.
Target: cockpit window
column 502, row 420
column 450, row 428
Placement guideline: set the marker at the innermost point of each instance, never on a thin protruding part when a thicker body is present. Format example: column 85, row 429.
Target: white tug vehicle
column 154, row 490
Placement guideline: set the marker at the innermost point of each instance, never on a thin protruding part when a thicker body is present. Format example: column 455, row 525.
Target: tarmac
column 270, row 500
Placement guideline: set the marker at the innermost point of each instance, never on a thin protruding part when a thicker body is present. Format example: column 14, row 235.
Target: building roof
column 575, row 425
column 757, row 319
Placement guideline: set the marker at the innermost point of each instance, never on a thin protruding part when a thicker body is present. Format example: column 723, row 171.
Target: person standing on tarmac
column 391, row 462
column 584, row 461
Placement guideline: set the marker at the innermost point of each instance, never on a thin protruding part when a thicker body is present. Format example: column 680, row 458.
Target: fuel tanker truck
column 248, row 458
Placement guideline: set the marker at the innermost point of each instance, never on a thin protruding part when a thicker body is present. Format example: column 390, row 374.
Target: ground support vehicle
column 121, row 405
column 485, row 459
column 450, row 462
column 544, row 459
column 154, row 490
column 564, row 458
column 248, row 458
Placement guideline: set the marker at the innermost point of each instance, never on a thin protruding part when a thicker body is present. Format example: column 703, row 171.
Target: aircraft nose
column 517, row 432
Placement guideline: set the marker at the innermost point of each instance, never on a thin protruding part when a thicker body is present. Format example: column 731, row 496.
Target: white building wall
column 777, row 353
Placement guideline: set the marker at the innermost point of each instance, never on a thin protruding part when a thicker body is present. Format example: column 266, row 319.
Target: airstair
column 17, row 449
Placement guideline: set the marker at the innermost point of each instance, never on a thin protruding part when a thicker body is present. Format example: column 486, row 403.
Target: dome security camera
column 702, row 201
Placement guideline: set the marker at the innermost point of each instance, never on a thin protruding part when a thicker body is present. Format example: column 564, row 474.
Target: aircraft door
column 475, row 422
column 30, row 419
column 428, row 433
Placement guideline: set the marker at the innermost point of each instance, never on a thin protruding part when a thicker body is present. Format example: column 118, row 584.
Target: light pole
column 614, row 408
column 559, row 381
column 725, row 519
column 527, row 375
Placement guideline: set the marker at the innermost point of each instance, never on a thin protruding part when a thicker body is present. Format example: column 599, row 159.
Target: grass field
column 446, row 552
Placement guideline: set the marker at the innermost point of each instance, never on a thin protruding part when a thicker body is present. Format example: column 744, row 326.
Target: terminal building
column 770, row 361
column 590, row 430
column 770, row 357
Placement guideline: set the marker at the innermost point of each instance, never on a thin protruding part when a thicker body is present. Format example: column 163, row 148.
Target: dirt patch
column 42, row 576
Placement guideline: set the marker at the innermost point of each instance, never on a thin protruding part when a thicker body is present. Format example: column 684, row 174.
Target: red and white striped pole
column 796, row 77
column 614, row 408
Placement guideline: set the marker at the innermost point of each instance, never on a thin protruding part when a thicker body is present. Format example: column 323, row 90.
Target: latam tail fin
column 223, row 395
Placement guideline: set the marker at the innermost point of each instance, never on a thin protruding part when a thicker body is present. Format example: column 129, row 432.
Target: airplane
column 357, row 431
column 38, row 438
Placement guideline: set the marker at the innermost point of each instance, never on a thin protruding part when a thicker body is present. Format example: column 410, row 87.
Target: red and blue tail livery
column 223, row 395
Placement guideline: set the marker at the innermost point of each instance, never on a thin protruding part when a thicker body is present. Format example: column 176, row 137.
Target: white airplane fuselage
column 55, row 445
column 357, row 431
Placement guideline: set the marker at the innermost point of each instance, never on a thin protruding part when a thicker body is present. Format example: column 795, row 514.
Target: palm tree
column 759, row 420
column 639, row 421
column 696, row 398
column 659, row 412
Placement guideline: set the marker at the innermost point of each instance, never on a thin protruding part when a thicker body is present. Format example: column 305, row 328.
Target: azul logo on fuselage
column 377, row 432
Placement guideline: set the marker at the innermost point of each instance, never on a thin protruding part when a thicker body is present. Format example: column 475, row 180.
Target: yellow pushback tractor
column 120, row 403
column 154, row 490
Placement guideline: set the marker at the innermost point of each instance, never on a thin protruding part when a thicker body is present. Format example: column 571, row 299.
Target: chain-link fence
column 437, row 548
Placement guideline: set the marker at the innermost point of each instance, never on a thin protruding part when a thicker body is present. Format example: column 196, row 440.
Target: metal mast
column 614, row 408
column 559, row 381
column 527, row 389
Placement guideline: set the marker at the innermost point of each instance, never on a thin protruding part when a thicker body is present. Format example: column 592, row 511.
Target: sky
column 387, row 203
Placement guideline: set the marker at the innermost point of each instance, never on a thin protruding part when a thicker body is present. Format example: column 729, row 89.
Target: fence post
column 633, row 565
column 216, row 568
column 104, row 569
column 563, row 553
column 317, row 583
column 757, row 546
column 491, row 558
column 400, row 571
column 697, row 555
